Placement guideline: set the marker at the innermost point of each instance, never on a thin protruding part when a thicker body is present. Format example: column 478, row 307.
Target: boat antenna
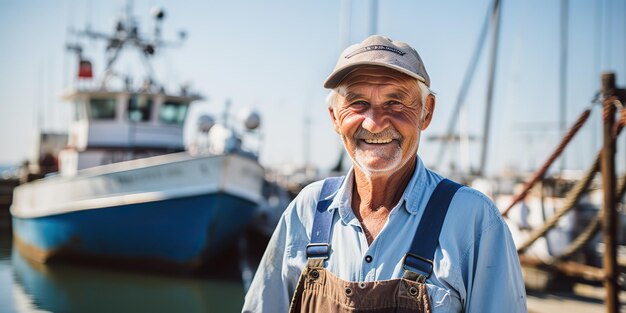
column 127, row 33
column 226, row 113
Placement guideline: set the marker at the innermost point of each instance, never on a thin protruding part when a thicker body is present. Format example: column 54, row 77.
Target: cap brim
column 339, row 74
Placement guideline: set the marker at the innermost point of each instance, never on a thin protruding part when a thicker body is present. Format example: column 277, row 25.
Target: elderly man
column 392, row 236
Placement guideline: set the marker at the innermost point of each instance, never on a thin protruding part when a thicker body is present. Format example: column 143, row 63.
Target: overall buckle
column 318, row 251
column 416, row 264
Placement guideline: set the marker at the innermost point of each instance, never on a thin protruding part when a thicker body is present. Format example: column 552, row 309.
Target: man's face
column 378, row 113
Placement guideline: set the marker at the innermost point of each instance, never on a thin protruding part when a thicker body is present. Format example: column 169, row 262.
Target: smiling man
column 390, row 236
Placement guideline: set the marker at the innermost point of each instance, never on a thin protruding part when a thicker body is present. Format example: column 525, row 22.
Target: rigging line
column 495, row 19
column 467, row 81
column 539, row 174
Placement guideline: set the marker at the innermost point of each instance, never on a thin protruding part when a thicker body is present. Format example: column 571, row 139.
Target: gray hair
column 425, row 91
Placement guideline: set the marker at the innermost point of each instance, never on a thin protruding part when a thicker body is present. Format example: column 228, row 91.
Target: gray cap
column 381, row 51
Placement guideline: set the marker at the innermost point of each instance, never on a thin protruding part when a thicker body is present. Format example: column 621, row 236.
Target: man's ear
column 428, row 115
column 331, row 111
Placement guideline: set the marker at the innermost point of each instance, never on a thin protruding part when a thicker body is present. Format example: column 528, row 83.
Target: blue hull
column 183, row 232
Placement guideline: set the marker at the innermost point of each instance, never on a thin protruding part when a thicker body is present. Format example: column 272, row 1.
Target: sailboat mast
column 460, row 100
column 563, row 75
column 495, row 21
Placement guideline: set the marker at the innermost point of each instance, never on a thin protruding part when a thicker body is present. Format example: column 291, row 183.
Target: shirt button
column 368, row 259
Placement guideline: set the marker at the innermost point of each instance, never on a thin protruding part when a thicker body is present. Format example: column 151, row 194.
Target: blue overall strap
column 319, row 248
column 420, row 257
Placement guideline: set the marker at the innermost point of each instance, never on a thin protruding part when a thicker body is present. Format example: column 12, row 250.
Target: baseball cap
column 381, row 51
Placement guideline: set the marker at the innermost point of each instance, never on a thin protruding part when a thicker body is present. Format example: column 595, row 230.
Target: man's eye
column 394, row 104
column 359, row 104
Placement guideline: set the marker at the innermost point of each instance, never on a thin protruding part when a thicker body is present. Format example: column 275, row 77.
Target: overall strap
column 319, row 248
column 418, row 262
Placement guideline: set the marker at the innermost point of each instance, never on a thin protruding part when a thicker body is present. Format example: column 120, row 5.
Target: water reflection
column 68, row 288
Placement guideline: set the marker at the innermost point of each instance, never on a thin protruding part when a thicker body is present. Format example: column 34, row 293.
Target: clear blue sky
column 274, row 55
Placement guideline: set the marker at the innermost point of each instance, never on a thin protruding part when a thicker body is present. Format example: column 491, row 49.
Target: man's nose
column 375, row 121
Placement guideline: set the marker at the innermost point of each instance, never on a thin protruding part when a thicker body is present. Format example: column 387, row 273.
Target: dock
column 548, row 292
column 582, row 299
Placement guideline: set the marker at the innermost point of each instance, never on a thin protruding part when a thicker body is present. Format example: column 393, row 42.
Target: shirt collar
column 343, row 197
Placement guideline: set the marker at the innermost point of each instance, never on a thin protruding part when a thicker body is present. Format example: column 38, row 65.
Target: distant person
column 392, row 236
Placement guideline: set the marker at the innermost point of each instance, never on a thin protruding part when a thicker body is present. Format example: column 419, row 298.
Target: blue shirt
column 476, row 266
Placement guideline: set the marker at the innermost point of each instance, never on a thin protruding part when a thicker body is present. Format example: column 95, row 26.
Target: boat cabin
column 115, row 126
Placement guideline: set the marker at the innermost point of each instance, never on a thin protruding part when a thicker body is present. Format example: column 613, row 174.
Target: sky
column 274, row 55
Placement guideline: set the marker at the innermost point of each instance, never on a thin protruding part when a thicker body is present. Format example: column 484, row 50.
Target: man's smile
column 377, row 141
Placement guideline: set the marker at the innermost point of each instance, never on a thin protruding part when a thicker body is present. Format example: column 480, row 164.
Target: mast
column 495, row 20
column 460, row 100
column 563, row 76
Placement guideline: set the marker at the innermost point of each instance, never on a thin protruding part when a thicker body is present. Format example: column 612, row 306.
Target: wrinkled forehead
column 377, row 76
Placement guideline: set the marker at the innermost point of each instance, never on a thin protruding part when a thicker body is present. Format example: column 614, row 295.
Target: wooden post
column 609, row 92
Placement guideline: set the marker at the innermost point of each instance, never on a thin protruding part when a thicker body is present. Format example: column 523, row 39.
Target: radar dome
column 251, row 118
column 205, row 123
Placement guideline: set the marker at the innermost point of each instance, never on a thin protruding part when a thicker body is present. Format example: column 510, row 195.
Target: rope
column 570, row 200
column 574, row 195
column 541, row 172
column 582, row 239
column 585, row 236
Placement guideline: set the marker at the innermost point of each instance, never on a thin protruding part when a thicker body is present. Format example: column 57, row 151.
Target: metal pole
column 563, row 76
column 608, row 186
column 495, row 20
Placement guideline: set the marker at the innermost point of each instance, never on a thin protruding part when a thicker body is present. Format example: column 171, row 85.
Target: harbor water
column 33, row 287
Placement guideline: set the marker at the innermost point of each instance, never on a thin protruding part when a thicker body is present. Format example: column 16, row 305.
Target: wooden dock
column 582, row 299
column 549, row 291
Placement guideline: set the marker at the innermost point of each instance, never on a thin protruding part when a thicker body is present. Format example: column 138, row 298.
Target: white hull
column 144, row 180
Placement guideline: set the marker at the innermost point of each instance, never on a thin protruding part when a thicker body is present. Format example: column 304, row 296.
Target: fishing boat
column 127, row 191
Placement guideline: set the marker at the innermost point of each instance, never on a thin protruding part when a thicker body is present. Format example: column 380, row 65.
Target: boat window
column 173, row 112
column 139, row 109
column 102, row 109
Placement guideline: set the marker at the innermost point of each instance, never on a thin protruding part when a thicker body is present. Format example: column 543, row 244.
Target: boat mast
column 460, row 100
column 563, row 75
column 495, row 20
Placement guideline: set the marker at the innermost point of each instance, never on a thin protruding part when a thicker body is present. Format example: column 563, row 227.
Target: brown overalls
column 319, row 290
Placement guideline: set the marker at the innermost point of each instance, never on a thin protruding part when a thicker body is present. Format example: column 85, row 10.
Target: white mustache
column 388, row 133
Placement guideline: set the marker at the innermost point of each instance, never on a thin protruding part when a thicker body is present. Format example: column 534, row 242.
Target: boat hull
column 180, row 233
column 175, row 211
